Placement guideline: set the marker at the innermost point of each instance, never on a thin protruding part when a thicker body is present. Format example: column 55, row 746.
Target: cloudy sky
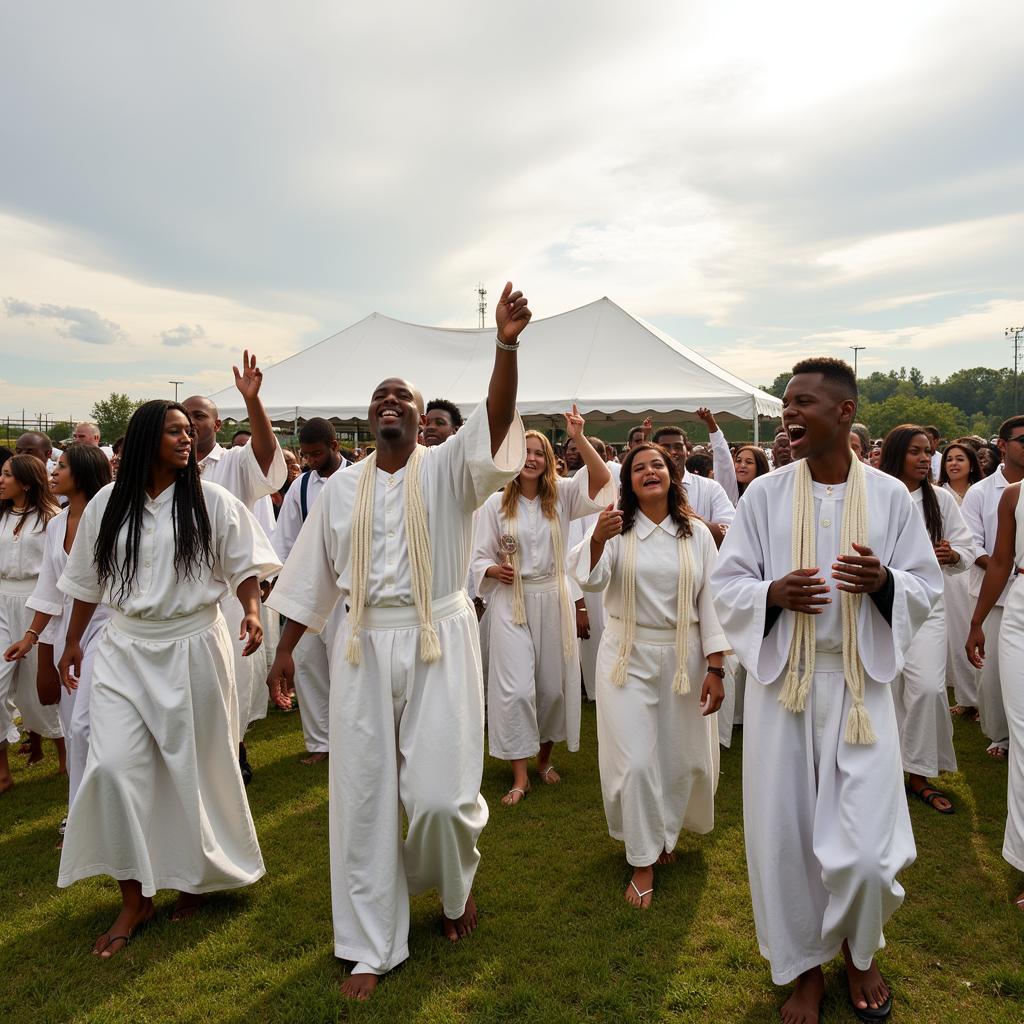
column 182, row 180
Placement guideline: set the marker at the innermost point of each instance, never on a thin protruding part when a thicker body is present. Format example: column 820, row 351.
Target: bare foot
column 317, row 758
column 189, row 904
column 548, row 775
column 359, row 986
column 463, row 926
column 116, row 937
column 667, row 857
column 1019, row 902
column 804, row 1002
column 867, row 988
column 640, row 891
column 34, row 758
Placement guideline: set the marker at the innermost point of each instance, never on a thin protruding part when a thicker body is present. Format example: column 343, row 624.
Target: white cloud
column 184, row 335
column 73, row 322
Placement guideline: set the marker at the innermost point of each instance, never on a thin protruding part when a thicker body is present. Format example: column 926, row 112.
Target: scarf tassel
column 858, row 726
column 430, row 645
column 681, row 681
column 352, row 651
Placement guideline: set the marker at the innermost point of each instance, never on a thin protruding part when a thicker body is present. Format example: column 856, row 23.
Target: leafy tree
column 112, row 415
column 906, row 407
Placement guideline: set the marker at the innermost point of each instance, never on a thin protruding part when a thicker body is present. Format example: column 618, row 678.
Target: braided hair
column 193, row 544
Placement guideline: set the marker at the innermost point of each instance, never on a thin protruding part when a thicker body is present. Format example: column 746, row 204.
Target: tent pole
column 753, row 401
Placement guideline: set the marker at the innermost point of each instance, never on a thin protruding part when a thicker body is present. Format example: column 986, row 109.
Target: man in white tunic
column 980, row 511
column 825, row 815
column 250, row 472
column 318, row 444
column 390, row 537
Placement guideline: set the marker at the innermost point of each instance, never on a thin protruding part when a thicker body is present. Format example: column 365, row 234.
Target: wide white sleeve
column 972, row 510
column 466, row 458
column 725, row 467
column 712, row 636
column 722, row 509
column 242, row 547
column 955, row 530
column 46, row 597
column 79, row 579
column 574, row 495
column 289, row 522
column 253, row 483
column 486, row 534
column 592, row 579
column 307, row 588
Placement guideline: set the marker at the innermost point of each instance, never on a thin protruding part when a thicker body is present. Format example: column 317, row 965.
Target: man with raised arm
column 391, row 538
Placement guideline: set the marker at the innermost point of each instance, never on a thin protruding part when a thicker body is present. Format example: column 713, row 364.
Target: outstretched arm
column 248, row 382
column 511, row 314
column 598, row 473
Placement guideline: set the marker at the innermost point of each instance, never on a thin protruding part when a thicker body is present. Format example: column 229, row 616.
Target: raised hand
column 511, row 314
column 574, row 423
column 861, row 573
column 249, row 380
column 708, row 417
column 803, row 590
column 609, row 524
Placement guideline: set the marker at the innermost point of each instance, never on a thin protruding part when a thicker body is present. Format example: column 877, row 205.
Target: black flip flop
column 928, row 795
column 868, row 1015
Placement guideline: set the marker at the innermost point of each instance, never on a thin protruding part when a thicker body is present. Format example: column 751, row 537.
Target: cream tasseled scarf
column 854, row 529
column 568, row 621
column 420, row 559
column 684, row 601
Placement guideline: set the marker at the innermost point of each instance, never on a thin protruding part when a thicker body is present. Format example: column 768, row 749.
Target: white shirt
column 21, row 554
column 533, row 529
column 240, row 550
column 725, row 466
column 455, row 477
column 238, row 471
column 657, row 577
column 289, row 519
column 954, row 529
column 708, row 499
column 980, row 509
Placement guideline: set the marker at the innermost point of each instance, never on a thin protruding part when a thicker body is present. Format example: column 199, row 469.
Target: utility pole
column 1015, row 333
column 856, row 349
column 481, row 305
column 175, row 383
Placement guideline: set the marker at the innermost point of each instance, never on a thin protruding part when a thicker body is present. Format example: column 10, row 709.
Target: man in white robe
column 826, row 822
column 318, row 445
column 249, row 473
column 980, row 511
column 406, row 725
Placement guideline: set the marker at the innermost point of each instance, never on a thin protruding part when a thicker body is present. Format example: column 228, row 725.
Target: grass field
column 556, row 943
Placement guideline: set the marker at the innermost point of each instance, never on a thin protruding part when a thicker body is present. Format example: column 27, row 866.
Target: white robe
column 980, row 511
column 238, row 471
column 533, row 688
column 21, row 555
column 826, row 822
column 1010, row 643
column 960, row 673
column 162, row 799
column 47, row 598
column 919, row 690
column 657, row 754
column 404, row 735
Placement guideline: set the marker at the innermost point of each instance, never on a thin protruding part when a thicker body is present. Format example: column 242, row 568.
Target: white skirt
column 18, row 693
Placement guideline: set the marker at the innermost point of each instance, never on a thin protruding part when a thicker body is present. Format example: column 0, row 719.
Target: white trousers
column 249, row 672
column 589, row 648
column 960, row 673
column 825, row 823
column 404, row 736
column 658, row 756
column 313, row 681
column 922, row 704
column 162, row 799
column 533, row 690
column 1011, row 655
column 18, row 693
column 990, row 691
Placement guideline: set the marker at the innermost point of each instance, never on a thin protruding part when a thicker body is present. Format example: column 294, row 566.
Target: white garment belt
column 644, row 634
column 542, row 586
column 403, row 616
column 18, row 588
column 828, row 661
column 166, row 629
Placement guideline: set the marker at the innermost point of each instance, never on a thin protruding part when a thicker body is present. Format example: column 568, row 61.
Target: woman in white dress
column 161, row 804
column 919, row 691
column 81, row 471
column 659, row 669
column 26, row 506
column 533, row 677
column 959, row 471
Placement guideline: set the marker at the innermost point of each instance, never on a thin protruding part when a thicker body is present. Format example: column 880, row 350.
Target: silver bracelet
column 504, row 347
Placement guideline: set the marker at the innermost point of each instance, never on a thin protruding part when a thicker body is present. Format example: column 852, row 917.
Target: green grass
column 556, row 943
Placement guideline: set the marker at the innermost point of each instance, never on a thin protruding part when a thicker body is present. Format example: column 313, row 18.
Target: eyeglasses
column 1019, row 439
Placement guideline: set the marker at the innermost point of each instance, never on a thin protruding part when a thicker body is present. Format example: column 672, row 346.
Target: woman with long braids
column 161, row 804
column 26, row 506
column 533, row 678
column 659, row 669
column 81, row 471
column 919, row 690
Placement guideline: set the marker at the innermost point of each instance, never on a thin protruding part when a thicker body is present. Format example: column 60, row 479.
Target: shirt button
column 391, row 533
column 826, row 523
column 148, row 564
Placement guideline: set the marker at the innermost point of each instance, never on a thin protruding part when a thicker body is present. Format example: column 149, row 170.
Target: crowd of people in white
column 823, row 591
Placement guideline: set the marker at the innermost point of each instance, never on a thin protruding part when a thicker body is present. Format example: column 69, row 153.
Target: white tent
column 616, row 367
